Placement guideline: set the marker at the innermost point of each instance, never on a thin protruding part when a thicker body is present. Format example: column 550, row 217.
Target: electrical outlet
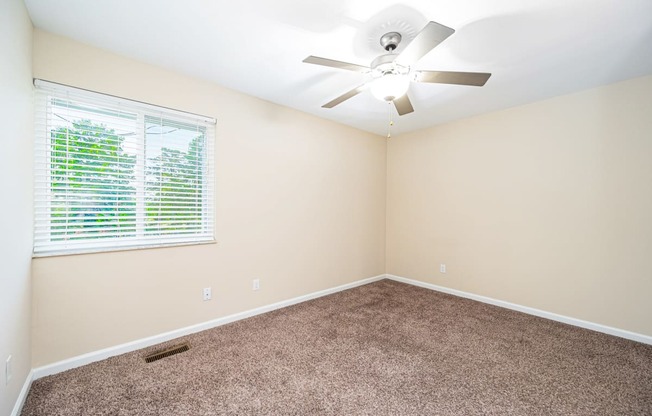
column 255, row 284
column 442, row 268
column 8, row 372
column 207, row 293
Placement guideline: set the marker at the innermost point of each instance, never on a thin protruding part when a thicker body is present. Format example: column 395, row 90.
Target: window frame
column 46, row 92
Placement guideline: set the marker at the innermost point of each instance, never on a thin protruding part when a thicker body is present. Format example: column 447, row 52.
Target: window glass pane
column 174, row 177
column 91, row 172
column 111, row 173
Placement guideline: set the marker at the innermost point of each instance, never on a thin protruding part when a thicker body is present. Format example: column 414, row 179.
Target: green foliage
column 92, row 182
column 91, row 179
column 174, row 190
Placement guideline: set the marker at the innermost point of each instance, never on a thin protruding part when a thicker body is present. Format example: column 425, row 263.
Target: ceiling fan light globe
column 390, row 86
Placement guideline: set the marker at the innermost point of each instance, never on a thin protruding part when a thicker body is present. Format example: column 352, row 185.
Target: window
column 113, row 174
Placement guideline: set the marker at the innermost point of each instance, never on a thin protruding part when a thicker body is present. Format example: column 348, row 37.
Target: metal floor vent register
column 176, row 349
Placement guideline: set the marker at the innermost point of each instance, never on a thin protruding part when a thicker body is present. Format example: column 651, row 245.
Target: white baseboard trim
column 91, row 357
column 22, row 396
column 646, row 339
column 99, row 355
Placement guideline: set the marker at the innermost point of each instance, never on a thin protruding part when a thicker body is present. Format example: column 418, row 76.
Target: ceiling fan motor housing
column 385, row 64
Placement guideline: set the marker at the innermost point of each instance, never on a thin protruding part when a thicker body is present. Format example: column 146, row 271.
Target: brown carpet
column 382, row 349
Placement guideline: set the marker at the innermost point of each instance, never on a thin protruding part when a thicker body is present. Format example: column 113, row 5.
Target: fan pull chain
column 390, row 122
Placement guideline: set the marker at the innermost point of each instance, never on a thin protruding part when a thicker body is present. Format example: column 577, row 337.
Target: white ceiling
column 534, row 48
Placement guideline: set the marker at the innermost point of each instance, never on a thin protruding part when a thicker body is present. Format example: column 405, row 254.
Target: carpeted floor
column 382, row 349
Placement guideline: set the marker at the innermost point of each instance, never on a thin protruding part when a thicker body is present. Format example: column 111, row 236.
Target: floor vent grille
column 176, row 349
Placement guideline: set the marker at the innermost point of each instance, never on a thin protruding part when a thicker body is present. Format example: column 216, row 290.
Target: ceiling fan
column 390, row 74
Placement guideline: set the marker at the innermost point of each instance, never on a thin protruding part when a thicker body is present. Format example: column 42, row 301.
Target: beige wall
column 547, row 205
column 16, row 140
column 300, row 204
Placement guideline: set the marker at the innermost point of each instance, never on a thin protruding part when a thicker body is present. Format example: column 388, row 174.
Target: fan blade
column 403, row 105
column 345, row 96
column 335, row 64
column 425, row 41
column 477, row 79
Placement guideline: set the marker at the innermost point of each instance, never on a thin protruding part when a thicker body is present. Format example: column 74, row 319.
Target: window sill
column 115, row 249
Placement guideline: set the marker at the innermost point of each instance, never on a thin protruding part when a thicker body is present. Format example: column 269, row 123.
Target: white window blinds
column 112, row 173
